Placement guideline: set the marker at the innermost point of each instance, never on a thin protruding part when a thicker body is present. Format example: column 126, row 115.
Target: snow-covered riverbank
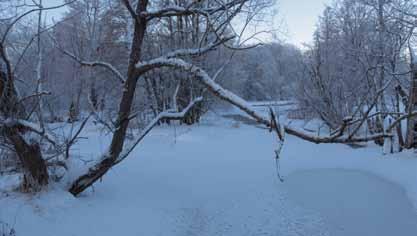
column 217, row 178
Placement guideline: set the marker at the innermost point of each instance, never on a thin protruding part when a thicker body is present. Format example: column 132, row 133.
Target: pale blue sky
column 300, row 18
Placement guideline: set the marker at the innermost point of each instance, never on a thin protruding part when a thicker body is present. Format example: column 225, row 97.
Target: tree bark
column 412, row 106
column 118, row 139
column 35, row 170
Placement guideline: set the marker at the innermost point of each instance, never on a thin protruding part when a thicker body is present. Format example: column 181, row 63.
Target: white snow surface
column 354, row 202
column 219, row 178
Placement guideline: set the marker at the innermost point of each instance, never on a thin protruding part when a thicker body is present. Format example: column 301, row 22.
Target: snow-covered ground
column 353, row 202
column 219, row 178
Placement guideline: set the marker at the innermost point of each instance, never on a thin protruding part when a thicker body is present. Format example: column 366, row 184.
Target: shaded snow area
column 219, row 178
column 353, row 202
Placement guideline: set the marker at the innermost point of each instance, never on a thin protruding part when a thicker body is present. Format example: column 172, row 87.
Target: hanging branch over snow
column 143, row 67
column 279, row 130
column 106, row 162
column 237, row 101
column 170, row 114
column 215, row 25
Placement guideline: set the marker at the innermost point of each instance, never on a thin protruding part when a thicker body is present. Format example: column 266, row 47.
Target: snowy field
column 219, row 178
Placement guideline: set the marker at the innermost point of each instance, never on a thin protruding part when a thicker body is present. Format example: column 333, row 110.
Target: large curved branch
column 237, row 101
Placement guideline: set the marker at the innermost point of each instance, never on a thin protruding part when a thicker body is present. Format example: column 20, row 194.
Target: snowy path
column 208, row 181
column 353, row 202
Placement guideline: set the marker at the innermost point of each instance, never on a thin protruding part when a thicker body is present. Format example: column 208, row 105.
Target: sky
column 299, row 18
column 296, row 19
column 56, row 13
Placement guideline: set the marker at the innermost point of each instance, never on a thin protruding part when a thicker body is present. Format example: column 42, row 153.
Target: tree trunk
column 412, row 101
column 35, row 170
column 118, row 139
column 401, row 142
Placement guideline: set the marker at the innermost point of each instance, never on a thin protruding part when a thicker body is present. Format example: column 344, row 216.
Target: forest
column 107, row 105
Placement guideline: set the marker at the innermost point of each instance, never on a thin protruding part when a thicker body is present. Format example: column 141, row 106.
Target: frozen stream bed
column 219, row 179
column 353, row 202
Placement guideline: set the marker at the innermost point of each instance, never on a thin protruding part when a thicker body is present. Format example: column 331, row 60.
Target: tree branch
column 176, row 10
column 163, row 115
column 237, row 101
column 105, row 65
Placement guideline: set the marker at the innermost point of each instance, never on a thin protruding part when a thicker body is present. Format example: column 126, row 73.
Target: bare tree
column 218, row 16
column 347, row 76
column 15, row 112
column 358, row 62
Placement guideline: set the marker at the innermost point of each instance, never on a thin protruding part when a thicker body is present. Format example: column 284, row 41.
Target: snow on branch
column 237, row 101
column 106, row 162
column 144, row 67
column 401, row 118
column 169, row 114
column 108, row 159
column 35, row 128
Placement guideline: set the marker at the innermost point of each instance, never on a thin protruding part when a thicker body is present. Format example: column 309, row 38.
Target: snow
column 206, row 80
column 219, row 178
column 341, row 205
column 399, row 168
column 230, row 97
column 173, row 114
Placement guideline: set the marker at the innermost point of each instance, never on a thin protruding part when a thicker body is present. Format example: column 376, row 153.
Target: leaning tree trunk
column 116, row 147
column 412, row 106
